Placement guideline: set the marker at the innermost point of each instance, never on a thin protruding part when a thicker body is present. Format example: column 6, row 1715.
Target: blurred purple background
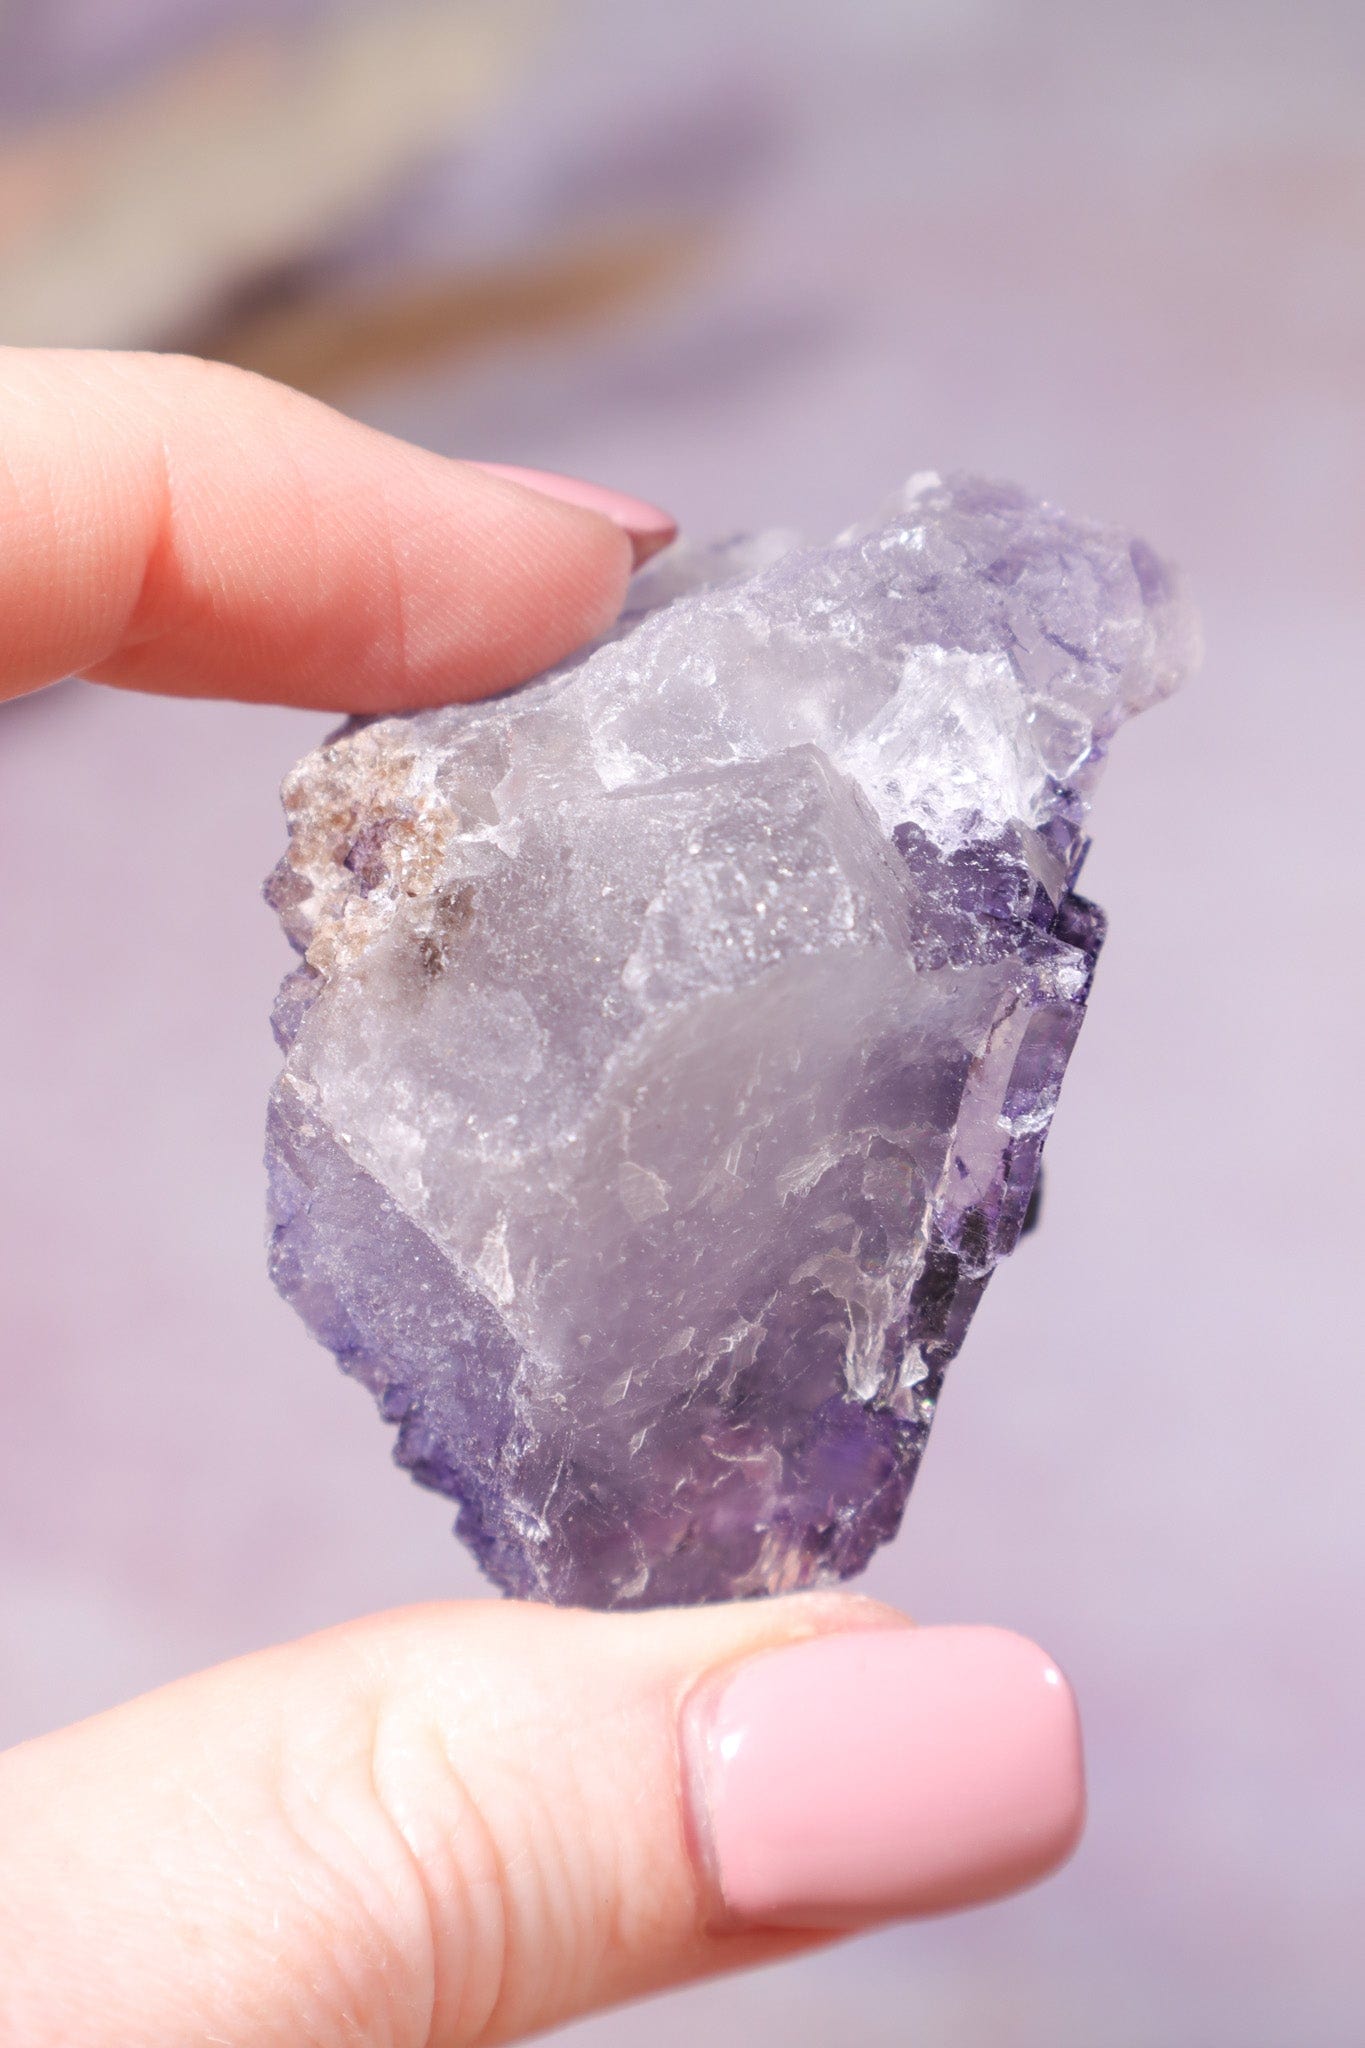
column 759, row 261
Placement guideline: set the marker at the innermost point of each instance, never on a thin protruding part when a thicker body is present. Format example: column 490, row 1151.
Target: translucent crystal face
column 676, row 1039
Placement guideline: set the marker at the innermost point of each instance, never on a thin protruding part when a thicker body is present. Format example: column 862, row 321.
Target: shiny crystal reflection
column 676, row 1039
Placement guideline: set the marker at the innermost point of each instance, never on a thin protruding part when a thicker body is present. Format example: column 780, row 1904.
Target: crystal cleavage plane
column 676, row 1039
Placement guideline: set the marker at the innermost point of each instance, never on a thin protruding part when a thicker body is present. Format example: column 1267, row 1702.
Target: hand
column 459, row 1823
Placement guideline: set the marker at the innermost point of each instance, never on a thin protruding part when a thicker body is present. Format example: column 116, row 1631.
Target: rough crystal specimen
column 677, row 1038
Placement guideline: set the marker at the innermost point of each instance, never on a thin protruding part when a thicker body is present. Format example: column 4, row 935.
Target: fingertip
column 202, row 532
column 647, row 527
column 882, row 1774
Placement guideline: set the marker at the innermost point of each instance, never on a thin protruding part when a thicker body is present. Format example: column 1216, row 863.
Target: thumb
column 465, row 1823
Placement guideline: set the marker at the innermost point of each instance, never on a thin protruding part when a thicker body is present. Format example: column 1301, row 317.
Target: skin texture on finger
column 179, row 526
column 465, row 1824
column 443, row 1826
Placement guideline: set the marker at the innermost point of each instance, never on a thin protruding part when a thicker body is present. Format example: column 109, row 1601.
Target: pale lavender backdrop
column 1115, row 252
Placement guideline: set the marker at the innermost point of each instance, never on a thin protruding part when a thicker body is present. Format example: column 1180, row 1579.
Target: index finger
column 180, row 526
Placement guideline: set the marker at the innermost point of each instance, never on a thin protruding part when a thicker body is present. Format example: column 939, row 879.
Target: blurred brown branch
column 327, row 342
column 120, row 225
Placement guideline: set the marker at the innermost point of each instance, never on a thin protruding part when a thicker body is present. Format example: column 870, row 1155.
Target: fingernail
column 649, row 528
column 880, row 1773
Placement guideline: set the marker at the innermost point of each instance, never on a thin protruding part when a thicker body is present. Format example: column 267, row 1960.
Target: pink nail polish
column 880, row 1773
column 649, row 528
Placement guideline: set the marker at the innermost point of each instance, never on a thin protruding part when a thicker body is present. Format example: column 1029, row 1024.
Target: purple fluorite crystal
column 676, row 1039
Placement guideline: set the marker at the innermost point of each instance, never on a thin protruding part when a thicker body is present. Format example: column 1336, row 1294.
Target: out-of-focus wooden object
column 329, row 342
column 124, row 226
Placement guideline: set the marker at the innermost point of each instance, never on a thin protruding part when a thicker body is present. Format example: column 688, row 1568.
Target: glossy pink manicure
column 884, row 1772
column 648, row 527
